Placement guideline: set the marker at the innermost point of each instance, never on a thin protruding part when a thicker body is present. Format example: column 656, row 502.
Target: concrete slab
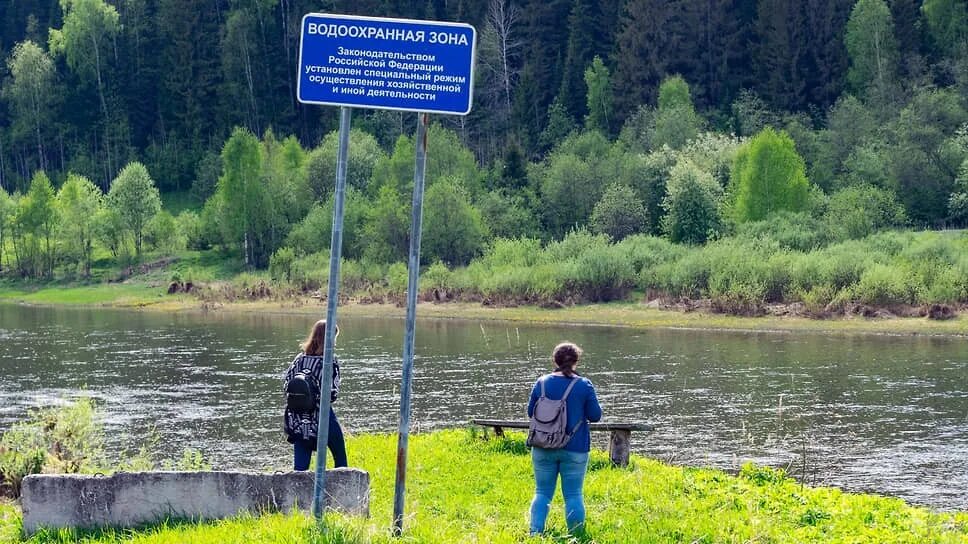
column 129, row 499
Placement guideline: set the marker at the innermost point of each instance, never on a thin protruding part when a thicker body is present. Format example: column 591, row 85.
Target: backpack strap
column 564, row 398
column 568, row 390
column 542, row 382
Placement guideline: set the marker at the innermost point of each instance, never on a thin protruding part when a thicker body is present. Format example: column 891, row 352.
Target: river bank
column 152, row 296
column 456, row 493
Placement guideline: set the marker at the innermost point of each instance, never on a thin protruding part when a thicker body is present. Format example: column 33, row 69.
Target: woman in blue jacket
column 571, row 461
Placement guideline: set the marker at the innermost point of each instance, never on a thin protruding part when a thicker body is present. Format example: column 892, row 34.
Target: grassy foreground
column 465, row 489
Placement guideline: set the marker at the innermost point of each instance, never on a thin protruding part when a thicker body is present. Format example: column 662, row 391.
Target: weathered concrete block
column 128, row 499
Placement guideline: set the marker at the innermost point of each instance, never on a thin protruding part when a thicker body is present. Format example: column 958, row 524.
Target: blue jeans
column 548, row 464
column 303, row 449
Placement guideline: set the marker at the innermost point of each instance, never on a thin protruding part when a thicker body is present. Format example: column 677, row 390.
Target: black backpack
column 301, row 393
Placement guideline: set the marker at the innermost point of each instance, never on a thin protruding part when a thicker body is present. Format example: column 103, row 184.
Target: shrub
column 691, row 205
column 163, row 234
column 191, row 231
column 600, row 274
column 645, row 252
column 280, row 264
column 513, row 252
column 437, row 276
column 885, row 285
column 453, row 230
column 397, row 279
column 619, row 213
column 574, row 244
column 857, row 212
column 798, row 231
column 23, row 451
column 65, row 439
column 310, row 272
column 364, row 154
column 315, row 231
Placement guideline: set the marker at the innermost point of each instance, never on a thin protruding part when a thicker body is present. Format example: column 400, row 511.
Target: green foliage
column 447, row 158
column 243, row 201
column 315, row 231
column 78, row 202
column 859, row 211
column 7, row 208
column 691, row 205
column 33, row 96
column 947, row 22
column 453, row 231
column 23, row 451
column 797, row 231
column 572, row 179
column 560, row 125
column 108, row 228
column 163, row 234
column 768, row 175
column 190, row 229
column 599, row 98
column 65, row 439
column 387, row 227
column 85, row 38
column 712, row 152
column 752, row 114
column 509, row 215
column 619, row 213
column 397, row 279
column 280, row 264
column 676, row 121
column 958, row 208
column 135, row 198
column 927, row 154
column 34, row 223
column 872, row 49
column 364, row 154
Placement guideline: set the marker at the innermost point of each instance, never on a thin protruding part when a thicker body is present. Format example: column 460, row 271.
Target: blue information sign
column 391, row 64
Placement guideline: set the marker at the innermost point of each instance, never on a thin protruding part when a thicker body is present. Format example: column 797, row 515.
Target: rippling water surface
column 867, row 413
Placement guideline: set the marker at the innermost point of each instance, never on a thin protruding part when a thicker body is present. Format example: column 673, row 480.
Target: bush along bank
column 774, row 266
column 69, row 439
column 462, row 488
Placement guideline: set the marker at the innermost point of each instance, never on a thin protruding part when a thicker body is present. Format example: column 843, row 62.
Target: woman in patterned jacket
column 302, row 427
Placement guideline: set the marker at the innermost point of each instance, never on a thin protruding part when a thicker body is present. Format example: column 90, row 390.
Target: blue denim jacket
column 582, row 406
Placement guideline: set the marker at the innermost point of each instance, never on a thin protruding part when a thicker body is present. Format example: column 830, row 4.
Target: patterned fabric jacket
column 306, row 426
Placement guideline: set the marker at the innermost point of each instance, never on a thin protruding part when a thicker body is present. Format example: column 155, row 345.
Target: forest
column 613, row 146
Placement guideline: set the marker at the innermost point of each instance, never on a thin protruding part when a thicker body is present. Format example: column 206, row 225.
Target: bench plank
column 619, row 443
column 593, row 426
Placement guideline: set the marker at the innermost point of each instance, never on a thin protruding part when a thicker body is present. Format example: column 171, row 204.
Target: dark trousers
column 303, row 449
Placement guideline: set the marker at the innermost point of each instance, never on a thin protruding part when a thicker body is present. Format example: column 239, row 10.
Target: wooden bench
column 618, row 445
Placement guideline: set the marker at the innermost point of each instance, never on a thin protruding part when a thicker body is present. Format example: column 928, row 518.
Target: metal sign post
column 332, row 298
column 392, row 64
column 413, row 267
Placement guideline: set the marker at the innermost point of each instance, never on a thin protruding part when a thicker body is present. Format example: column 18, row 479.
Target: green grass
column 463, row 489
column 134, row 294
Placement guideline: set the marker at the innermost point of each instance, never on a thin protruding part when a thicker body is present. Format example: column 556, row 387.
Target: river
column 863, row 412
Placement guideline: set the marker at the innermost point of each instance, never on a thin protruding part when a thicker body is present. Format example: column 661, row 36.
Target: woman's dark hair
column 316, row 341
column 565, row 356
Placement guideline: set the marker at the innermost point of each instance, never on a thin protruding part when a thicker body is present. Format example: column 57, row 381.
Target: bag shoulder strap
column 568, row 390
column 542, row 382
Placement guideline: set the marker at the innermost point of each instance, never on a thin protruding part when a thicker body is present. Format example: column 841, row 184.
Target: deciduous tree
column 33, row 95
column 135, row 198
column 78, row 202
column 768, row 175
